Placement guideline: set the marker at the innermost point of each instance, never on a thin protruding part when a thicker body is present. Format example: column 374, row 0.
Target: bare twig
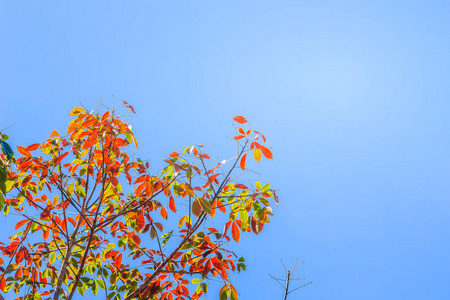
column 289, row 279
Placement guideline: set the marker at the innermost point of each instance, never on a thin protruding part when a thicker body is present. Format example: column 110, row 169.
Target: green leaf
column 81, row 290
column 95, row 287
column 129, row 138
column 3, row 176
column 80, row 190
column 265, row 187
column 100, row 283
column 258, row 185
column 224, row 295
column 70, row 189
column 233, row 295
column 243, row 215
column 9, row 184
column 113, row 278
column 6, row 210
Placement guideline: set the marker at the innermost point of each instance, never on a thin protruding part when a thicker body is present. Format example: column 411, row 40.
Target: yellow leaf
column 257, row 154
column 76, row 111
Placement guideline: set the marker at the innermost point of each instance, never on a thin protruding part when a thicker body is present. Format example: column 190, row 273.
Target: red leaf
column 46, row 212
column 159, row 226
column 136, row 239
column 266, row 152
column 2, row 283
column 238, row 137
column 174, row 154
column 242, row 164
column 276, row 197
column 240, row 119
column 129, row 106
column 65, row 142
column 257, row 226
column 240, row 186
column 118, row 260
column 205, row 156
column 140, row 221
column 128, row 177
column 60, row 158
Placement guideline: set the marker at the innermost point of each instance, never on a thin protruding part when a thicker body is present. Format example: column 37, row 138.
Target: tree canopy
column 93, row 217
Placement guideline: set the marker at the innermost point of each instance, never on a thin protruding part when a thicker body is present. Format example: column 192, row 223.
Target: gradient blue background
column 353, row 97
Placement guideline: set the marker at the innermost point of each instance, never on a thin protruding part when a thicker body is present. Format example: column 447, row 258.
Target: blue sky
column 353, row 97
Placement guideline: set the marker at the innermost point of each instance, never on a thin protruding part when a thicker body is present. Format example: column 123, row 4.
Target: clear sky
column 353, row 97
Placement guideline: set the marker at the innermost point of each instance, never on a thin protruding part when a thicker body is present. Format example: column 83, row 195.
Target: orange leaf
column 72, row 221
column 163, row 212
column 174, row 154
column 33, row 147
column 54, row 133
column 23, row 151
column 266, row 152
column 45, row 233
column 242, row 164
column 240, row 119
column 235, row 234
column 89, row 144
column 18, row 225
column 241, row 131
column 105, row 115
column 172, row 205
column 139, row 189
